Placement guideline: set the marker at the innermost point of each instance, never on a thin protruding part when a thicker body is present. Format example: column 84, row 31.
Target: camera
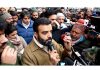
column 91, row 31
column 95, row 20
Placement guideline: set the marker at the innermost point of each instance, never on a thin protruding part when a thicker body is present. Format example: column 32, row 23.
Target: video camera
column 93, row 27
column 95, row 20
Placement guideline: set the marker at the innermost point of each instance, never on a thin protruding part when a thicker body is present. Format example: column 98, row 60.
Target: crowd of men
column 49, row 36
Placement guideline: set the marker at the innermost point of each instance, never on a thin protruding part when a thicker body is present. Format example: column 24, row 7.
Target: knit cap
column 81, row 21
column 34, row 9
column 4, row 16
column 60, row 15
column 80, row 26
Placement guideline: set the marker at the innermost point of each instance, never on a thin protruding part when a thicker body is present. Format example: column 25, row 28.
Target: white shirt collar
column 26, row 26
column 40, row 45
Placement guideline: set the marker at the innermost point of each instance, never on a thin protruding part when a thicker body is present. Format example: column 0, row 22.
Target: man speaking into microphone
column 43, row 50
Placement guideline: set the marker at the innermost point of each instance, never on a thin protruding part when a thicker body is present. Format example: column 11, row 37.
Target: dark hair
column 2, row 26
column 25, row 13
column 40, row 21
column 48, row 13
column 9, row 29
column 13, row 13
column 25, row 9
column 62, row 8
column 9, row 10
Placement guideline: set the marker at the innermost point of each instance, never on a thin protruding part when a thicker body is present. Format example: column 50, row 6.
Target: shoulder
column 31, row 21
column 57, row 46
column 28, row 55
column 31, row 47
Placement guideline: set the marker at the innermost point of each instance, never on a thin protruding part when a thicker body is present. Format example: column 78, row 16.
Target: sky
column 49, row 3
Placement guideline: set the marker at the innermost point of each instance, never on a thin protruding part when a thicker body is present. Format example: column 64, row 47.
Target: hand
column 67, row 42
column 55, row 22
column 98, row 36
column 9, row 55
column 54, row 57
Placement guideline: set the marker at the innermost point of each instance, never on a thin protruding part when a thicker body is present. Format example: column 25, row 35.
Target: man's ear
column 35, row 34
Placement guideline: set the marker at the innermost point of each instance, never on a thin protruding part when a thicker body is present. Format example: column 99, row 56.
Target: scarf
column 16, row 41
column 82, row 38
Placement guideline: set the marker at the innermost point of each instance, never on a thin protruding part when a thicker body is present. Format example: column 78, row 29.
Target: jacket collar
column 26, row 25
column 40, row 45
column 35, row 45
column 20, row 23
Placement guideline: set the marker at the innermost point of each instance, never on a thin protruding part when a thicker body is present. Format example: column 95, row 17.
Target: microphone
column 78, row 57
column 50, row 45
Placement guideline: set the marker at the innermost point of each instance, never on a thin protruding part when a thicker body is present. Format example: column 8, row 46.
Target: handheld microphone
column 50, row 45
column 78, row 57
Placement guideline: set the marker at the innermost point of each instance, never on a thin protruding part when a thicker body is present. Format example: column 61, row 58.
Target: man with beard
column 35, row 15
column 43, row 50
column 56, row 32
column 15, row 17
column 6, row 17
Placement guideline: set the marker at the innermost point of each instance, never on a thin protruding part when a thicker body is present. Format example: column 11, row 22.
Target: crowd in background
column 81, row 24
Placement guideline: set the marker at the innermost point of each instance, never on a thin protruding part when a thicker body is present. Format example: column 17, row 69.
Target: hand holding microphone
column 55, row 58
column 67, row 40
